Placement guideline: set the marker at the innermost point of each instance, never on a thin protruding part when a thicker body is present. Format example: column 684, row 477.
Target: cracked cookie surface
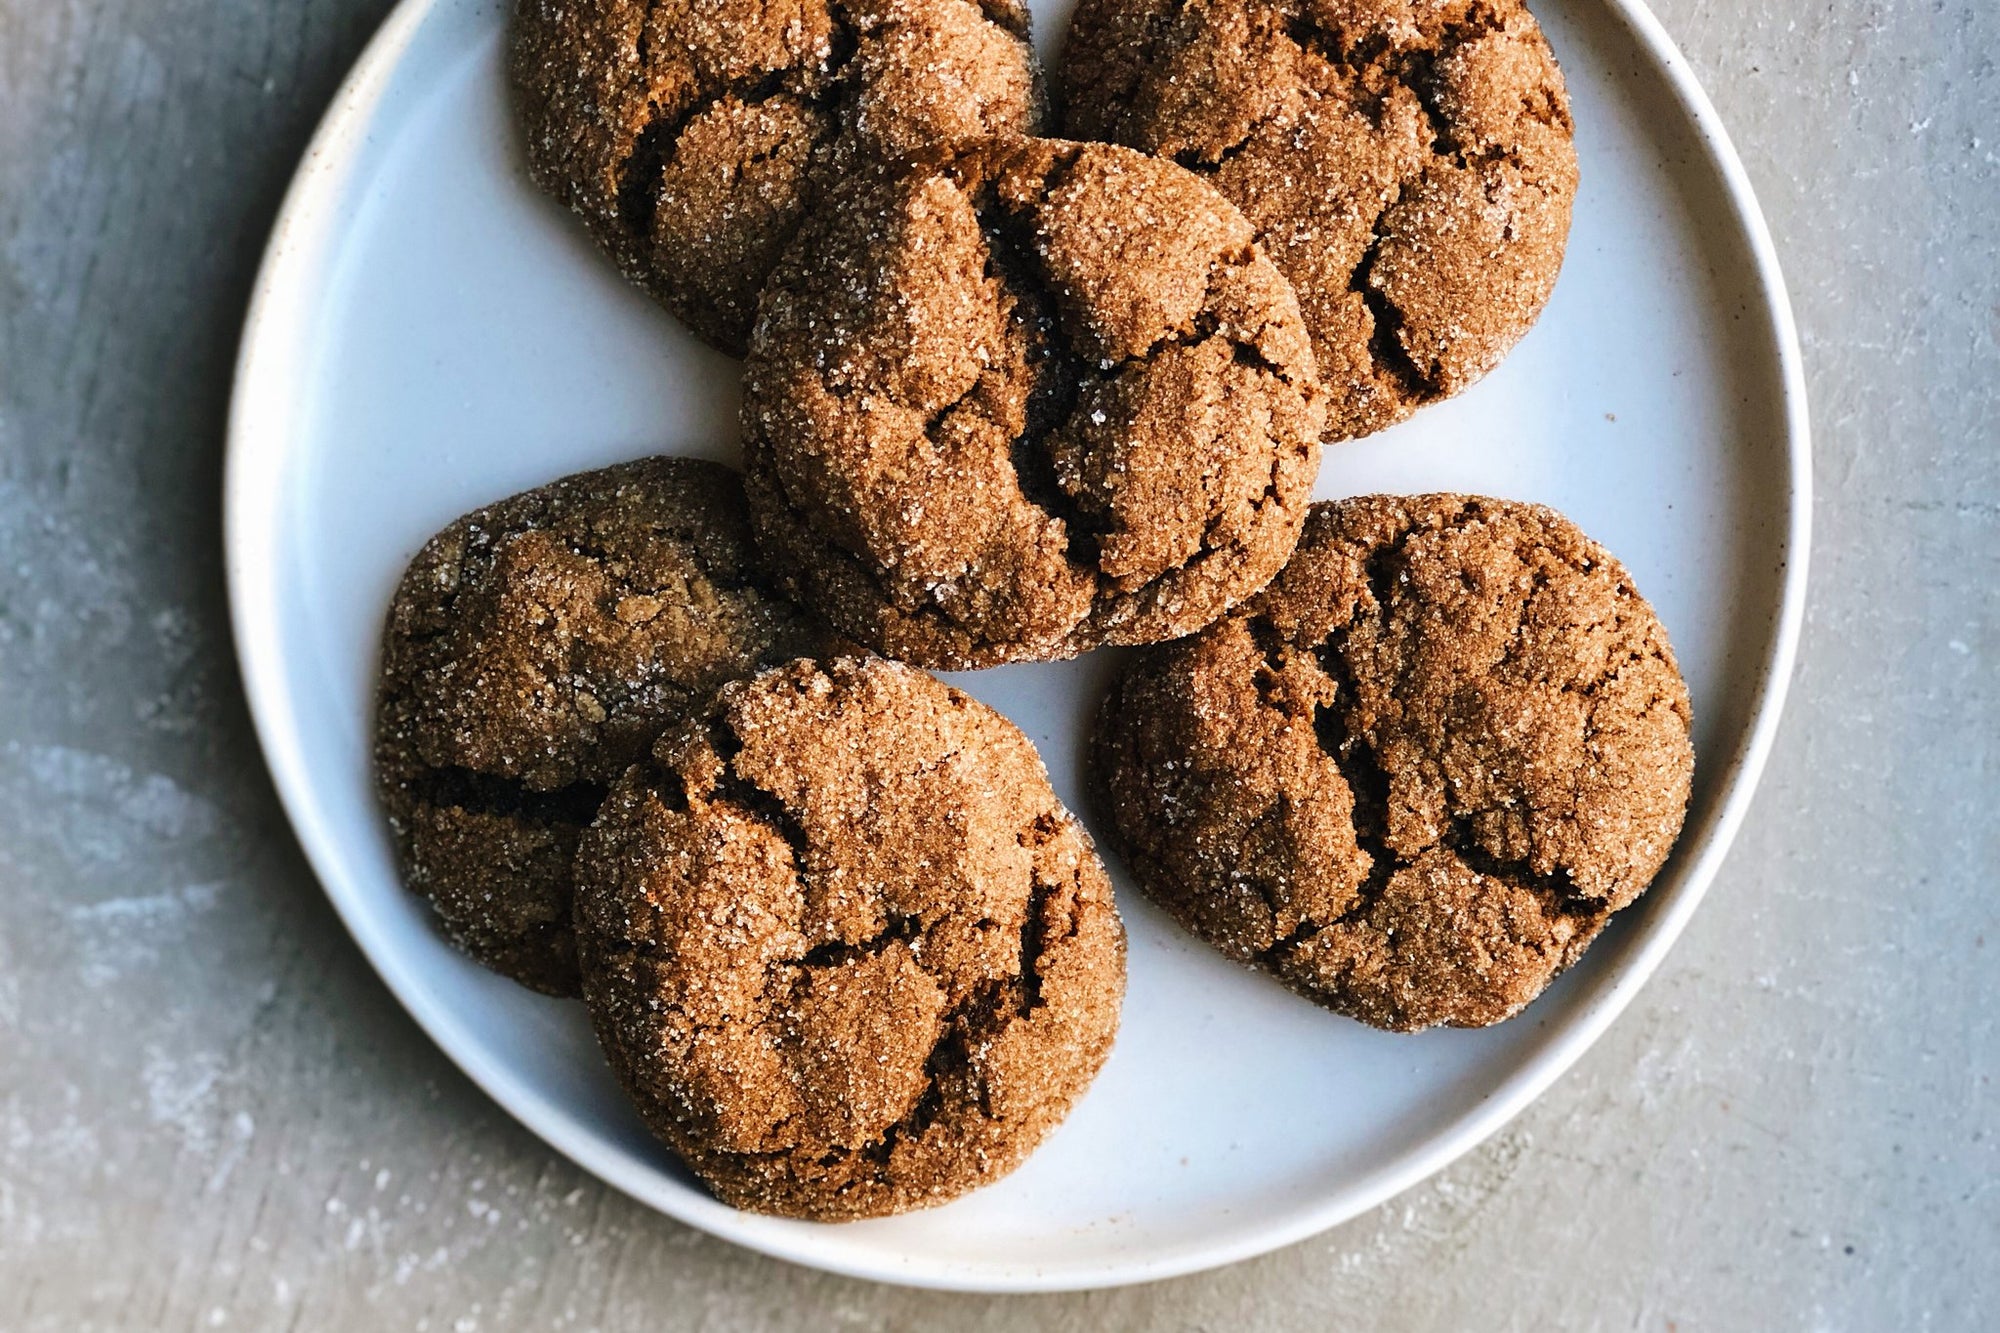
column 534, row 649
column 691, row 136
column 842, row 945
column 1416, row 776
column 1037, row 398
column 1408, row 164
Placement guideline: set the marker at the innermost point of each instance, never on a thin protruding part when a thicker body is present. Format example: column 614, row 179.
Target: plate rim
column 260, row 666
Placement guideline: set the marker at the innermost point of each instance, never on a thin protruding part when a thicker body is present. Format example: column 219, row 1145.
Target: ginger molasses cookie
column 1408, row 164
column 691, row 136
column 534, row 649
column 1034, row 399
column 842, row 945
column 1416, row 776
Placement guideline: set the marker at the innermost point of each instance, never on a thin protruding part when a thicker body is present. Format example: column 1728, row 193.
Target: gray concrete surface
column 212, row 1115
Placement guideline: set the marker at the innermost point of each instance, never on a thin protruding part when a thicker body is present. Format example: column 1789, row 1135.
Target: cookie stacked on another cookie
column 537, row 647
column 842, row 945
column 1034, row 398
column 841, row 942
column 1418, row 774
column 1408, row 164
column 693, row 136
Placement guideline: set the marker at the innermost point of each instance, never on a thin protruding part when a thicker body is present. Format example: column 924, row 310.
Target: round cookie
column 534, row 649
column 843, row 947
column 1408, row 164
column 691, row 136
column 1035, row 399
column 1416, row 776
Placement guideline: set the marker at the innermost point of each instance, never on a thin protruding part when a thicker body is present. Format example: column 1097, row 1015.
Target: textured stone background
column 212, row 1115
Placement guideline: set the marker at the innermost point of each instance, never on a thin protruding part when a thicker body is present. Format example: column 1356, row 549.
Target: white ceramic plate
column 429, row 334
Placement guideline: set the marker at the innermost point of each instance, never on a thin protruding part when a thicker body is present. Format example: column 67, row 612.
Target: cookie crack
column 637, row 193
column 644, row 169
column 1353, row 752
column 480, row 550
column 735, row 788
column 732, row 787
column 967, row 1026
column 962, row 1030
column 1305, row 931
column 620, row 585
column 1010, row 19
column 1556, row 888
column 1207, row 163
column 456, row 787
column 1266, row 889
column 1062, row 375
column 1033, row 939
column 950, row 1054
column 1245, row 352
column 1374, row 63
column 1418, row 73
column 1385, row 344
column 685, row 539
column 1207, row 325
column 900, row 929
column 1059, row 376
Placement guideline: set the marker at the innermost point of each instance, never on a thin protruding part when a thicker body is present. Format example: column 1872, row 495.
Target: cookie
column 537, row 647
column 1041, row 397
column 1418, row 774
column 692, row 136
column 843, row 947
column 1408, row 164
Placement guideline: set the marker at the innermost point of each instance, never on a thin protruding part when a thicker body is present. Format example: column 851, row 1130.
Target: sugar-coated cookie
column 843, row 947
column 1020, row 403
column 1417, row 775
column 1408, row 164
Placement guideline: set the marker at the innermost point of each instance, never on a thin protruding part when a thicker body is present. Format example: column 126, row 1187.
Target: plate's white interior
column 431, row 334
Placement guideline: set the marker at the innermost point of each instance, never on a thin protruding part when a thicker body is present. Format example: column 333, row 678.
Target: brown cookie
column 1417, row 775
column 1408, row 164
column 1038, row 398
column 692, row 135
column 534, row 649
column 843, row 947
